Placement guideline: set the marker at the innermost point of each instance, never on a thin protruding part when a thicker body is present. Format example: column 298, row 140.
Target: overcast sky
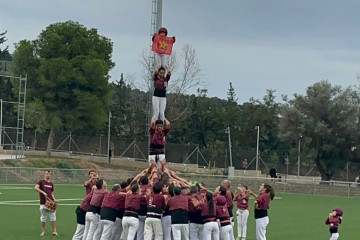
column 285, row 45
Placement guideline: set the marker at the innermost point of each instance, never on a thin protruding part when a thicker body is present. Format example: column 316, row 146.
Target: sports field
column 292, row 217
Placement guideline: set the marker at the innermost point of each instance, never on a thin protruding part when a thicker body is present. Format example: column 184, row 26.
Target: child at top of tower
column 162, row 47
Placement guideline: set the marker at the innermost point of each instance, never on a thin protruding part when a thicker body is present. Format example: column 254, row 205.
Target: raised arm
column 152, row 125
column 167, row 123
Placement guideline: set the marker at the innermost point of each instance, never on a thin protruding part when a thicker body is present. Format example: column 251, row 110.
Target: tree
column 328, row 119
column 67, row 67
column 4, row 52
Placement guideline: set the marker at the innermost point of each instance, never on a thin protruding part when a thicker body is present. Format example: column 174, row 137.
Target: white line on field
column 25, row 201
column 15, row 188
column 35, row 204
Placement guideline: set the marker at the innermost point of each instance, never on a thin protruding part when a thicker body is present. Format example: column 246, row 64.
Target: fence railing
column 283, row 185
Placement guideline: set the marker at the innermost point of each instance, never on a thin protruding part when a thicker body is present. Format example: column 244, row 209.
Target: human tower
column 157, row 203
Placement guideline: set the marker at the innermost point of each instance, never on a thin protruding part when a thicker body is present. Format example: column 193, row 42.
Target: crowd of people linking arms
column 161, row 211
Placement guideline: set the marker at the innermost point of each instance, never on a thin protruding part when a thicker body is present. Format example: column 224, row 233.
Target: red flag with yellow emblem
column 162, row 44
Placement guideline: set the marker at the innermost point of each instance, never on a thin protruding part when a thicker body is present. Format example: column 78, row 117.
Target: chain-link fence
column 302, row 185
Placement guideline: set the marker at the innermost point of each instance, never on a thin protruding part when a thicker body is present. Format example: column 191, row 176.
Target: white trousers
column 161, row 60
column 78, row 235
column 98, row 231
column 211, row 231
column 195, row 231
column 180, row 231
column 334, row 236
column 130, row 226
column 107, row 227
column 225, row 232
column 91, row 225
column 166, row 222
column 242, row 217
column 116, row 229
column 44, row 214
column 261, row 224
column 232, row 229
column 159, row 106
column 153, row 229
column 140, row 230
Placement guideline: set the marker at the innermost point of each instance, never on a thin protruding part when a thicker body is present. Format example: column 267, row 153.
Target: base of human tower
column 164, row 175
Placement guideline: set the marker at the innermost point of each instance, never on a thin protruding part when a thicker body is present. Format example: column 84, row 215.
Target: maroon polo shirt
column 89, row 186
column 179, row 202
column 155, row 201
column 263, row 201
column 221, row 208
column 242, row 201
column 333, row 222
column 112, row 200
column 191, row 206
column 97, row 198
column 86, row 202
column 229, row 199
column 204, row 208
column 48, row 188
column 132, row 202
column 157, row 138
column 161, row 83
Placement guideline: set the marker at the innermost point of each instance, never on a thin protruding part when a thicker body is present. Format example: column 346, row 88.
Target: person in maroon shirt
column 92, row 217
column 155, row 205
column 223, row 216
column 229, row 202
column 168, row 192
column 45, row 188
column 242, row 200
column 109, row 210
column 130, row 222
column 178, row 206
column 334, row 219
column 159, row 97
column 145, row 189
column 262, row 203
column 80, row 217
column 208, row 212
column 117, row 228
column 195, row 219
column 88, row 184
column 157, row 142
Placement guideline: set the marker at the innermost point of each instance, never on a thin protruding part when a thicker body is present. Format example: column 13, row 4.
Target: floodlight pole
column 1, row 118
column 300, row 136
column 108, row 148
column 257, row 148
column 227, row 130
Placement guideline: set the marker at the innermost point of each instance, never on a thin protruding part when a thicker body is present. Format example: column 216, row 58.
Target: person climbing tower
column 159, row 96
column 157, row 142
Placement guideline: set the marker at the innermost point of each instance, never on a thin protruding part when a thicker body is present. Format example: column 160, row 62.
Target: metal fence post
column 6, row 175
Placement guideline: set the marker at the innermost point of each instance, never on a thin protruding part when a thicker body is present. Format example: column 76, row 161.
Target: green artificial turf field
column 292, row 217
